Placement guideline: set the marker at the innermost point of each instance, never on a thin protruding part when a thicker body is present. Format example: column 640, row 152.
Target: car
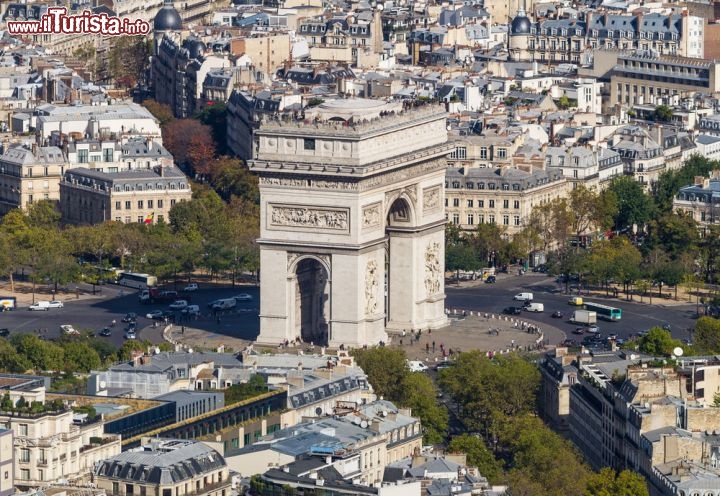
column 593, row 329
column 417, row 366
column 130, row 317
column 131, row 326
column 191, row 310
column 155, row 315
column 579, row 330
column 69, row 330
column 105, row 332
column 130, row 335
column 569, row 342
column 667, row 327
column 612, row 337
column 55, row 304
column 191, row 287
column 178, row 304
column 40, row 305
column 4, row 332
column 243, row 297
column 557, row 314
column 490, row 280
column 512, row 311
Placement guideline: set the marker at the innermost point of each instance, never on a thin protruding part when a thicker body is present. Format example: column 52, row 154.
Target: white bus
column 137, row 281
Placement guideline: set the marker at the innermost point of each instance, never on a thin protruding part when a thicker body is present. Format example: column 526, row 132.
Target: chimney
column 375, row 426
column 699, row 180
column 33, row 148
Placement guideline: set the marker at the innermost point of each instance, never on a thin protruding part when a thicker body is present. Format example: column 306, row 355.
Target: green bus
column 604, row 311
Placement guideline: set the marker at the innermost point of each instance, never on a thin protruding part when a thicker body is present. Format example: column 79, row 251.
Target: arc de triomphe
column 352, row 222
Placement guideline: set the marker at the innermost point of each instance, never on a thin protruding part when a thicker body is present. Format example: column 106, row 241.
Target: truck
column 7, row 303
column 155, row 295
column 585, row 317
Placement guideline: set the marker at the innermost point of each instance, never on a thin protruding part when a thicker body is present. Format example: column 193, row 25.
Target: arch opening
column 312, row 298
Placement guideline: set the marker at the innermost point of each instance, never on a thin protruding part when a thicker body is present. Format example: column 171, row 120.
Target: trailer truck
column 585, row 317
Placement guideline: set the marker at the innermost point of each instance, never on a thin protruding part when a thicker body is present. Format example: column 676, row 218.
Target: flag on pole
column 149, row 218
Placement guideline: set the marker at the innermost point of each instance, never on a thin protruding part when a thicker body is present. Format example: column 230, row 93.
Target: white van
column 40, row 305
column 535, row 307
column 523, row 297
column 225, row 304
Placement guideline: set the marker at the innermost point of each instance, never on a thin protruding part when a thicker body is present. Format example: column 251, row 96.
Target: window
column 506, row 203
column 24, row 474
column 481, row 185
column 150, row 204
column 481, row 203
column 491, row 185
column 446, row 202
column 128, row 205
column 172, row 203
column 160, row 204
column 491, row 219
column 23, row 429
column 24, row 455
column 516, row 204
column 502, row 153
column 470, row 203
column 309, row 143
column 118, row 205
column 141, row 219
column 484, row 152
column 456, row 202
column 470, row 219
column 127, row 220
column 456, row 219
column 506, row 220
column 107, row 155
column 491, row 203
column 516, row 220
column 459, row 153
column 140, row 204
column 30, row 198
column 29, row 185
column 82, row 156
column 118, row 219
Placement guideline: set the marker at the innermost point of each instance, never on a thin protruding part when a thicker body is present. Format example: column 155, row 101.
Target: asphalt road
column 493, row 298
column 94, row 313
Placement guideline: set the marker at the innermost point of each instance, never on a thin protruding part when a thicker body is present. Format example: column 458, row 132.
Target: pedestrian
column 433, row 346
column 403, row 334
column 182, row 330
column 427, row 347
column 401, row 342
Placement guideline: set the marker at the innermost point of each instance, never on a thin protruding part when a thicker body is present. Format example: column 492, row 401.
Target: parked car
column 105, row 332
column 55, row 304
column 40, row 305
column 130, row 317
column 191, row 287
column 593, row 329
column 490, row 280
column 512, row 311
column 243, row 297
column 557, row 314
column 4, row 332
column 179, row 304
column 579, row 330
column 417, row 366
column 155, row 314
column 569, row 342
column 130, row 335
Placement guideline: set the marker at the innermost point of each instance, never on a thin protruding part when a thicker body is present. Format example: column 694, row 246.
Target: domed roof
column 194, row 47
column 520, row 25
column 167, row 18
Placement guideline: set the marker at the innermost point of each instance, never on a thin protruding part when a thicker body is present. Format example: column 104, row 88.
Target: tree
column 80, row 357
column 42, row 355
column 160, row 111
column 201, row 153
column 676, row 234
column 658, row 342
column 634, row 206
column 461, row 257
column 608, row 483
column 478, row 456
column 589, row 211
column 128, row 60
column 706, row 337
column 44, row 214
column 215, row 116
column 177, row 136
column 663, row 113
column 386, row 369
column 419, row 394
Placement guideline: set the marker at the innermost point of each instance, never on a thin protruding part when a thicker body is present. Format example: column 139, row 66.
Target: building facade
column 28, row 174
column 701, row 200
column 165, row 467
column 139, row 195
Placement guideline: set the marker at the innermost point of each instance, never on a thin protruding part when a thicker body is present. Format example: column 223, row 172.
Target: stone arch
column 310, row 277
column 401, row 211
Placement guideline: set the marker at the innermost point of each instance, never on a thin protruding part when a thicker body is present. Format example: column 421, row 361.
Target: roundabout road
column 493, row 298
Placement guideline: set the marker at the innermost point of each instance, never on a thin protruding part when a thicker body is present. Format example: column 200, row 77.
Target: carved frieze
column 299, row 216
column 433, row 269
column 431, row 198
column 371, row 287
column 371, row 216
column 308, row 183
column 403, row 174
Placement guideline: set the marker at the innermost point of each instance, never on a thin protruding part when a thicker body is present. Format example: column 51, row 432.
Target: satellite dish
column 678, row 352
column 380, row 7
column 102, row 384
column 364, row 424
